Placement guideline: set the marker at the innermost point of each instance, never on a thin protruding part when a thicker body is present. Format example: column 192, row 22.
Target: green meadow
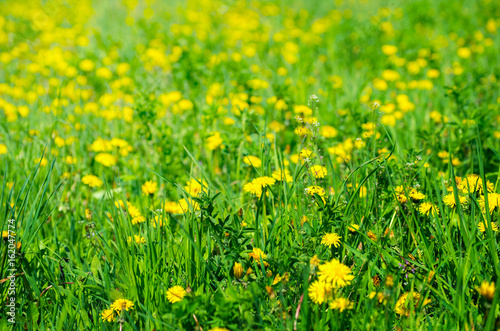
column 249, row 165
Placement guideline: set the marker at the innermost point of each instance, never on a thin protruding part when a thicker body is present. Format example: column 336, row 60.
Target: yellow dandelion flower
column 449, row 200
column 133, row 210
column 264, row 181
column 341, row 304
column 428, row 207
column 335, row 273
column 42, row 161
column 106, row 159
column 282, row 175
column 137, row 239
column 92, row 181
column 402, row 305
column 277, row 279
column 311, row 190
column 302, row 109
column 276, row 126
column 176, row 294
column 253, row 188
column 108, row 315
column 172, row 207
column 319, row 291
column 318, row 171
column 214, row 141
column 415, row 195
column 238, row 270
column 493, row 202
column 194, row 187
column 486, row 290
column 149, row 187
column 331, row 239
column 306, row 154
column 353, row 227
column 328, row 131
column 257, row 253
column 3, row 149
column 157, row 221
column 314, row 261
column 138, row 219
column 186, row 204
column 252, row 161
column 122, row 304
column 483, row 226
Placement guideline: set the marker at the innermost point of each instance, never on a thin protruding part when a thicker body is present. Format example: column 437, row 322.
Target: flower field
column 249, row 165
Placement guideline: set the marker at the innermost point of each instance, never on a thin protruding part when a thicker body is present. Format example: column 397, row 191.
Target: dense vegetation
column 237, row 165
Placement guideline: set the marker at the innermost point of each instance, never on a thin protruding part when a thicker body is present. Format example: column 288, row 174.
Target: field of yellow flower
column 249, row 165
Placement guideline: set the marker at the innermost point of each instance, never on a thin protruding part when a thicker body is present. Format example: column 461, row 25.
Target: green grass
column 429, row 136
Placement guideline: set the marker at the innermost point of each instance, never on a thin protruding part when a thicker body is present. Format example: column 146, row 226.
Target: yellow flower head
column 172, row 207
column 264, row 181
column 314, row 261
column 493, row 202
column 331, row 239
column 428, row 207
column 5, row 234
column 3, row 149
column 105, row 159
column 328, row 131
column 341, row 304
column 194, row 187
column 449, row 200
column 389, row 49
column 276, row 126
column 403, row 304
column 133, row 210
column 187, row 205
column 415, row 195
column 253, row 188
column 122, row 304
column 320, row 291
column 302, row 109
column 214, row 141
column 176, row 294
column 149, row 187
column 335, row 273
column 42, row 161
column 483, row 226
column 486, row 290
column 252, row 161
column 108, row 315
column 137, row 239
column 257, row 253
column 282, row 175
column 238, row 270
column 92, row 181
column 353, row 227
column 157, row 221
column 138, row 219
column 318, row 171
column 311, row 190
column 306, row 154
column 474, row 183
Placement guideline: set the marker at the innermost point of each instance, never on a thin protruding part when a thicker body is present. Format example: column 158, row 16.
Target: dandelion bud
column 238, row 270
